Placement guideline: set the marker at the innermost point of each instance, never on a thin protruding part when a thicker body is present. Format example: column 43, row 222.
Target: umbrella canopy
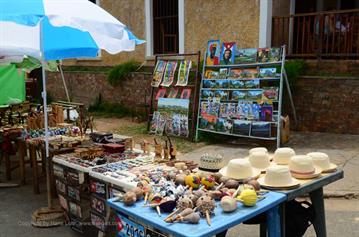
column 53, row 29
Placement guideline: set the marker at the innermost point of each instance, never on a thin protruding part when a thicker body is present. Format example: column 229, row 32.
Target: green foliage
column 106, row 109
column 121, row 71
column 294, row 69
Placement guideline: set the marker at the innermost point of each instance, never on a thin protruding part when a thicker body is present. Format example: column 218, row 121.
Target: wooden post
column 34, row 168
column 22, row 151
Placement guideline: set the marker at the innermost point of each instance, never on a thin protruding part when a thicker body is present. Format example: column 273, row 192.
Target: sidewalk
column 342, row 149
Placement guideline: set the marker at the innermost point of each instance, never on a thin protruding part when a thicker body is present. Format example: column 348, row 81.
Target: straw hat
column 278, row 177
column 240, row 169
column 282, row 155
column 321, row 160
column 302, row 167
column 259, row 160
column 256, row 149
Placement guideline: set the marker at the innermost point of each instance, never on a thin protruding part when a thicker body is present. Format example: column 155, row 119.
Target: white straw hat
column 256, row 149
column 259, row 160
column 278, row 177
column 282, row 155
column 302, row 167
column 240, row 169
column 321, row 160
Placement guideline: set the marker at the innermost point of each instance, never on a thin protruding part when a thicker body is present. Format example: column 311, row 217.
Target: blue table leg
column 316, row 197
column 273, row 222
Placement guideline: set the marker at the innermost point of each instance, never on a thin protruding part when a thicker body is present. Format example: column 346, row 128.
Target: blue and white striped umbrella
column 60, row 29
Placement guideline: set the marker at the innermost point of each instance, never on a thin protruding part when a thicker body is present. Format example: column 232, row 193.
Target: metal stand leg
column 318, row 203
column 273, row 222
column 222, row 234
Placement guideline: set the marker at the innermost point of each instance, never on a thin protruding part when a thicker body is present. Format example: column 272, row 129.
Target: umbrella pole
column 46, row 216
column 44, row 97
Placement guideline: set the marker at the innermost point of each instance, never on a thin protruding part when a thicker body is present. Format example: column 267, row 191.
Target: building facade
column 185, row 26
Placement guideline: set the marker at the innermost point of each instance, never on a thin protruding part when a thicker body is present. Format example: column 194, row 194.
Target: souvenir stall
column 174, row 94
column 207, row 200
column 241, row 91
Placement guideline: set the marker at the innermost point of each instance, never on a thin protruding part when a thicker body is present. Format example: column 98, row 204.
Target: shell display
column 129, row 198
column 184, row 213
column 248, row 197
column 139, row 193
column 193, row 181
column 231, row 183
column 193, row 197
column 192, row 218
column 208, row 181
column 228, row 204
column 184, row 202
column 205, row 204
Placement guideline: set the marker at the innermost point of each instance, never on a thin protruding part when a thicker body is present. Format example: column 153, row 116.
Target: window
column 165, row 26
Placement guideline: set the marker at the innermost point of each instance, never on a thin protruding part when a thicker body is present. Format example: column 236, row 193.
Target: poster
column 213, row 52
column 227, row 54
column 173, row 116
column 169, row 74
column 183, row 72
column 158, row 73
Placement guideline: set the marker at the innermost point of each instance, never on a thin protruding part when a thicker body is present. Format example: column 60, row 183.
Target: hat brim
column 317, row 172
column 294, row 184
column 332, row 168
column 199, row 171
column 255, row 175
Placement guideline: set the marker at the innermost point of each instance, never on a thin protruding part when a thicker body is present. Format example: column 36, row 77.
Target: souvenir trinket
column 206, row 205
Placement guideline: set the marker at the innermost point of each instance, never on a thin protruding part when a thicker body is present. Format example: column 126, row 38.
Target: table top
column 307, row 186
column 220, row 221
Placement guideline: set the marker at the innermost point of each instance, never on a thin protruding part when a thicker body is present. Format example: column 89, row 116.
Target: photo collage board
column 170, row 79
column 240, row 95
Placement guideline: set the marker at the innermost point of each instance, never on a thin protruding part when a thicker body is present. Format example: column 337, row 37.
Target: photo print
column 227, row 53
column 213, row 52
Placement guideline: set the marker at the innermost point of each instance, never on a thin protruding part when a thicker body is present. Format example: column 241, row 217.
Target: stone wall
column 327, row 104
column 85, row 87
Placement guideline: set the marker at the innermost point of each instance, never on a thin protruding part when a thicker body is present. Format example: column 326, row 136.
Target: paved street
column 342, row 214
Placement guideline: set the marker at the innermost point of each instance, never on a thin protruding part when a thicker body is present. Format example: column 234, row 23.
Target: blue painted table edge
column 272, row 200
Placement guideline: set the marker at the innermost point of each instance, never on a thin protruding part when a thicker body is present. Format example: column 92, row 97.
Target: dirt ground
column 138, row 130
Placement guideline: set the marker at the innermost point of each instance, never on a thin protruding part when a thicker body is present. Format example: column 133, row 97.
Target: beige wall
column 230, row 20
column 132, row 14
column 227, row 20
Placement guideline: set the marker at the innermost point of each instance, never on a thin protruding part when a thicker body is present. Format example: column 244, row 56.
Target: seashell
column 139, row 193
column 255, row 184
column 199, row 193
column 184, row 202
column 231, row 183
column 184, row 213
column 129, row 198
column 215, row 194
column 228, row 204
column 193, row 197
column 217, row 176
column 248, row 197
column 192, row 218
column 205, row 204
column 168, row 205
column 223, row 179
column 180, row 179
column 192, row 180
column 208, row 181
